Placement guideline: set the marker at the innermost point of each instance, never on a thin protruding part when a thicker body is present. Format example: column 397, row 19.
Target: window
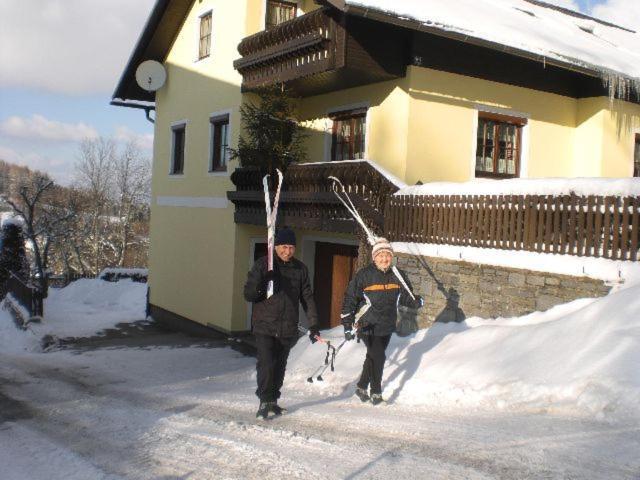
column 636, row 157
column 348, row 139
column 499, row 146
column 219, row 143
column 204, row 48
column 177, row 149
column 279, row 12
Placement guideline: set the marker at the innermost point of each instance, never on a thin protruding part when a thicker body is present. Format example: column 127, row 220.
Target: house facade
column 419, row 100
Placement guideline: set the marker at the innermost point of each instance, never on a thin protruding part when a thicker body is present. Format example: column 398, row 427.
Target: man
column 275, row 319
column 376, row 291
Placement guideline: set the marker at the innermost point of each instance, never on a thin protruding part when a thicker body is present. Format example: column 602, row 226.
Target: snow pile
column 87, row 306
column 581, row 356
column 537, row 29
column 624, row 187
column 83, row 308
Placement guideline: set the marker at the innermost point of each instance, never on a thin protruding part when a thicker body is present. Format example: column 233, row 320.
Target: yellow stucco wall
column 192, row 251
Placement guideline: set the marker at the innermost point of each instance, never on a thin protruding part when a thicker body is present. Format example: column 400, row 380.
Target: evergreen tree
column 13, row 257
column 271, row 138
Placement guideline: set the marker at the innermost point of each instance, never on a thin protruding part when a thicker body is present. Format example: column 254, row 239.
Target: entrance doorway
column 335, row 266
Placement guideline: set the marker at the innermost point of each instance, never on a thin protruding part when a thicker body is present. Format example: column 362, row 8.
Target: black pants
column 273, row 353
column 374, row 362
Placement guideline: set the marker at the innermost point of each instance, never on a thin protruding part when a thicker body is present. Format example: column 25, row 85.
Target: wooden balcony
column 307, row 199
column 319, row 52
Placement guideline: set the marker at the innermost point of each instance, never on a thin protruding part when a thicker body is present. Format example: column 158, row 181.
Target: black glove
column 348, row 332
column 313, row 333
column 271, row 276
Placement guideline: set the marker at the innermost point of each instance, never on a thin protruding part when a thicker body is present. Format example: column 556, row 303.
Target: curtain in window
column 205, row 36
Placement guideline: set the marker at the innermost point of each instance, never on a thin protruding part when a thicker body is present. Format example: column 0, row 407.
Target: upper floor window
column 178, row 133
column 204, row 47
column 219, row 143
column 499, row 147
column 636, row 157
column 278, row 12
column 348, row 138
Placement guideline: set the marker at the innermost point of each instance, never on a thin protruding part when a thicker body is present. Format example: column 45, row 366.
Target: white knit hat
column 381, row 245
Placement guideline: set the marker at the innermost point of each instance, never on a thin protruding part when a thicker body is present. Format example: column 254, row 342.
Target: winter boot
column 276, row 409
column 263, row 411
column 376, row 399
column 362, row 394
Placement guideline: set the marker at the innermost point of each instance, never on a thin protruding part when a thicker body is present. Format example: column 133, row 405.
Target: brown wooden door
column 334, row 267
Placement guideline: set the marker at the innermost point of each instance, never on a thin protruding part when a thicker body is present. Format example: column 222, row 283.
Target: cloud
column 40, row 128
column 125, row 135
column 621, row 12
column 68, row 46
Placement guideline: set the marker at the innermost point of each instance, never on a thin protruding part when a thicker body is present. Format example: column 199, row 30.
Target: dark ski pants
column 273, row 353
column 374, row 362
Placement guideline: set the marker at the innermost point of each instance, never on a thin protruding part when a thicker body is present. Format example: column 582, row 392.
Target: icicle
column 619, row 86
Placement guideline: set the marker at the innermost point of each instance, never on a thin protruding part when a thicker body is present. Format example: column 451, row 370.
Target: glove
column 419, row 303
column 272, row 276
column 313, row 333
column 348, row 332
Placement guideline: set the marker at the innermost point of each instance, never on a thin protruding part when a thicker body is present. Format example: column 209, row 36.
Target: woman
column 376, row 291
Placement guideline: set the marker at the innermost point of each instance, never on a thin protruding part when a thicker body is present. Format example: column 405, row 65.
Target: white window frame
column 179, row 123
column 197, row 36
column 329, row 126
column 212, row 115
column 524, row 153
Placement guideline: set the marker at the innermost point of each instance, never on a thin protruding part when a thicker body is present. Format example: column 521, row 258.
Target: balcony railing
column 307, row 200
column 297, row 48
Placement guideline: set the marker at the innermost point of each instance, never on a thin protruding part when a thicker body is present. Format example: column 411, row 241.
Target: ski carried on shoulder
column 272, row 215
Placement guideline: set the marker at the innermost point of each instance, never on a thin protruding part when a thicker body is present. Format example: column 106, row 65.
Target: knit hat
column 381, row 245
column 285, row 236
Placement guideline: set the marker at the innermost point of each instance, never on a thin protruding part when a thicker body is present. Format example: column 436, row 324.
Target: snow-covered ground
column 553, row 394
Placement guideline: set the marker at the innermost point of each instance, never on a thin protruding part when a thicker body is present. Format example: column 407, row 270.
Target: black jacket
column 383, row 291
column 278, row 315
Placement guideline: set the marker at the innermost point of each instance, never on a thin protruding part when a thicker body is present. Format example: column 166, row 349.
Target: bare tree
column 132, row 176
column 94, row 170
column 114, row 186
column 43, row 218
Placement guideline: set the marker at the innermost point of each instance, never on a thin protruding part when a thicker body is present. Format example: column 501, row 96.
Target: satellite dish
column 151, row 75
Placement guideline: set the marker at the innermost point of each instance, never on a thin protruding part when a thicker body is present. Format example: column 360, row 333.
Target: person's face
column 285, row 252
column 383, row 260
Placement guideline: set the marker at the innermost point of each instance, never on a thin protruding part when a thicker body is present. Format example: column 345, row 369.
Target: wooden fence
column 593, row 226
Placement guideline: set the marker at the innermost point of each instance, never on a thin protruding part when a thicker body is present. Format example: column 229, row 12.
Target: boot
column 362, row 394
column 263, row 411
column 276, row 409
column 376, row 399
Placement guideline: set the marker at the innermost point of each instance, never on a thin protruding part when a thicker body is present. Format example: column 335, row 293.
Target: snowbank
column 582, row 356
column 625, row 187
column 83, row 308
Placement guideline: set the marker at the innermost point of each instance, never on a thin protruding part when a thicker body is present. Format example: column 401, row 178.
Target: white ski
column 343, row 196
column 272, row 214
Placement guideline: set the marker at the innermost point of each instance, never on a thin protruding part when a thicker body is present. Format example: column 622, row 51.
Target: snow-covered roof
column 528, row 26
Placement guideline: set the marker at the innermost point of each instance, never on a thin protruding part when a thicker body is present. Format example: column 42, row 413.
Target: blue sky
column 61, row 60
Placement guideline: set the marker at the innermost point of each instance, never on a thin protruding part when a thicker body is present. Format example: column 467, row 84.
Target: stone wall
column 454, row 290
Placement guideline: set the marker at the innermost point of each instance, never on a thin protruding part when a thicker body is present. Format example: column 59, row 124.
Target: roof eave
column 388, row 17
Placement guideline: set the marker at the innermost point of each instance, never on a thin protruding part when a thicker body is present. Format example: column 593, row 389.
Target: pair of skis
column 272, row 215
column 343, row 196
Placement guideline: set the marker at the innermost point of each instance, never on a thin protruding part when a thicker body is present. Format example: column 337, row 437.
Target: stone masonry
column 454, row 290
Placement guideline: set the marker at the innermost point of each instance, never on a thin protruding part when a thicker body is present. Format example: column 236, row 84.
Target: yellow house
column 421, row 92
